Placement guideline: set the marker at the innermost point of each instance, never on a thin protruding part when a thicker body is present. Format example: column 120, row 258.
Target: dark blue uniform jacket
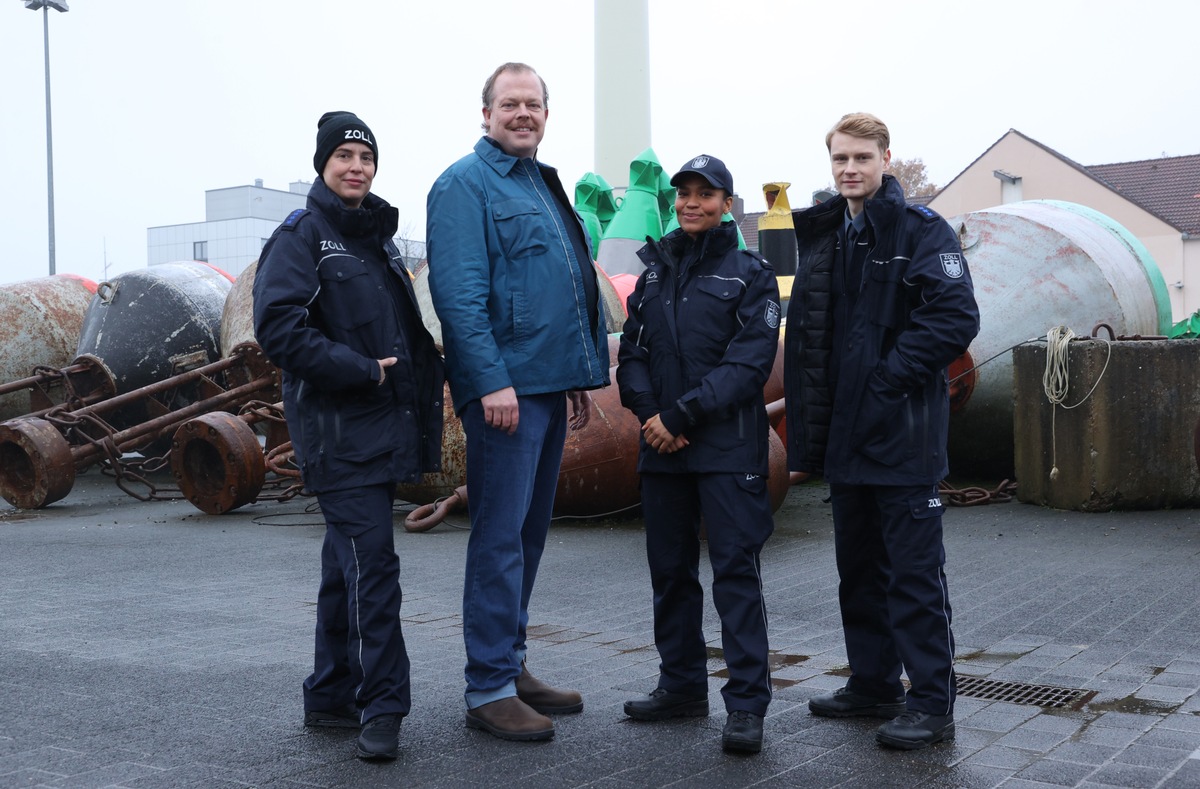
column 331, row 297
column 887, row 421
column 698, row 345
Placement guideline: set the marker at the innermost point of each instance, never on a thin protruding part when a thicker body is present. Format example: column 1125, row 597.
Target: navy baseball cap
column 711, row 168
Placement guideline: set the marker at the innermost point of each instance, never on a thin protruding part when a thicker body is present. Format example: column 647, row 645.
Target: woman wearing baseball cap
column 698, row 345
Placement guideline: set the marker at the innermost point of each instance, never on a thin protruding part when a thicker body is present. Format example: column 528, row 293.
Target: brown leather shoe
column 511, row 719
column 545, row 699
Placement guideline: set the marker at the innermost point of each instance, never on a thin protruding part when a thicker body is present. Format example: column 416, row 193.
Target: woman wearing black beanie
column 362, row 385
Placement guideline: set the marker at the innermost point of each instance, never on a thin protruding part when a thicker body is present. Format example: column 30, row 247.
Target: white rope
column 1055, row 381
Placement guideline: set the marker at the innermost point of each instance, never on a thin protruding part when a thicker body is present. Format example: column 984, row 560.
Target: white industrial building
column 238, row 220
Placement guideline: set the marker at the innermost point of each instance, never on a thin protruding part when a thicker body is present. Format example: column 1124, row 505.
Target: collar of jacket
column 674, row 246
column 375, row 216
column 887, row 205
column 490, row 151
column 882, row 209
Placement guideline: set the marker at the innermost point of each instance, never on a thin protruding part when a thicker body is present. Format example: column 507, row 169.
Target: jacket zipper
column 561, row 231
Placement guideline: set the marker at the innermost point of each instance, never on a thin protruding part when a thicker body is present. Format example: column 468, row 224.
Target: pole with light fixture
column 45, row 6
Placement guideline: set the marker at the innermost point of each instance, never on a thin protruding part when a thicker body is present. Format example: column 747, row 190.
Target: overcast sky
column 156, row 102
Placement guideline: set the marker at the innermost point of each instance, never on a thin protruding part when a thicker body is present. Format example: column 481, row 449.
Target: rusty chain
column 973, row 496
column 131, row 477
column 266, row 412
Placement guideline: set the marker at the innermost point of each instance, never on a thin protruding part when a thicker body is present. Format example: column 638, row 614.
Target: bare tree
column 912, row 176
column 910, row 173
column 411, row 250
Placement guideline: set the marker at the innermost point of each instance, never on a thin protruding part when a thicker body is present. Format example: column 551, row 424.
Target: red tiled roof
column 1168, row 187
column 749, row 228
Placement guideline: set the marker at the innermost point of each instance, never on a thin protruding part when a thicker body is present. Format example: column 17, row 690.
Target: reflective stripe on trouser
column 894, row 601
column 360, row 657
column 737, row 521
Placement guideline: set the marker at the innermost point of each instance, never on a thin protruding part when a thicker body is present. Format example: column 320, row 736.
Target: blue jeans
column 510, row 494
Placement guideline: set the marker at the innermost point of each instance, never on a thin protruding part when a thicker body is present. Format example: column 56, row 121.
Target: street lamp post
column 45, row 6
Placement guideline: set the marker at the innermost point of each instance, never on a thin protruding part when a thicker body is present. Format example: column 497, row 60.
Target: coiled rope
column 1055, row 382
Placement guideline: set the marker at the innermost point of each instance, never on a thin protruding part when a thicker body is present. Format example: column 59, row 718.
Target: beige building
column 1157, row 200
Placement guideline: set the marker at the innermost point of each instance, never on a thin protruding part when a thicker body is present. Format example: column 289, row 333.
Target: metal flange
column 36, row 465
column 218, row 462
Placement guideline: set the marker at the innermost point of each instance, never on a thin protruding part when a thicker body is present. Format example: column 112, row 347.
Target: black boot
column 844, row 703
column 380, row 738
column 743, row 732
column 914, row 730
column 662, row 704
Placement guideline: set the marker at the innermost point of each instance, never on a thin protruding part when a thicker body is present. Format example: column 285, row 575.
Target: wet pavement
column 146, row 644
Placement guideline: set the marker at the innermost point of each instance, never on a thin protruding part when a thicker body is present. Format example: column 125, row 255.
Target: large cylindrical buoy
column 638, row 217
column 453, row 473
column 1036, row 265
column 237, row 314
column 612, row 305
column 599, row 467
column 596, row 205
column 776, row 232
column 40, row 326
column 425, row 303
column 142, row 323
column 151, row 324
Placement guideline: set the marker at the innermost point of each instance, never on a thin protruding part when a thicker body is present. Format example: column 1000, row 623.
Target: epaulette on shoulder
column 293, row 219
column 762, row 261
column 926, row 213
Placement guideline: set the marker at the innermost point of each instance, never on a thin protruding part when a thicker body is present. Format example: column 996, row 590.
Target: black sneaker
column 743, row 732
column 344, row 717
column 844, row 703
column 380, row 738
column 662, row 704
column 914, row 730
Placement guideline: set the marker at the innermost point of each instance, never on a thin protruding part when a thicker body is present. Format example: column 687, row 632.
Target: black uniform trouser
column 737, row 521
column 894, row 601
column 359, row 657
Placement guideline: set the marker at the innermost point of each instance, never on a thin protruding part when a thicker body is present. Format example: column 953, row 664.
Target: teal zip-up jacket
column 505, row 282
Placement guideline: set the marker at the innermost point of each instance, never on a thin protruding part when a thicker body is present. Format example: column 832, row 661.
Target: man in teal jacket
column 516, row 293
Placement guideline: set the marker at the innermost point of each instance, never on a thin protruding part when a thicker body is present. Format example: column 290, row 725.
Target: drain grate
column 1022, row 693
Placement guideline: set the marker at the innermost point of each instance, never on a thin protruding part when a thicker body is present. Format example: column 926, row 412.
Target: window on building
column 200, row 250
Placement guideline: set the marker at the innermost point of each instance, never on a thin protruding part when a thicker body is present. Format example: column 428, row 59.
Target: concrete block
column 1128, row 445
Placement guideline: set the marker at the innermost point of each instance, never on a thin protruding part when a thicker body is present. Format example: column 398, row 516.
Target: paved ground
column 150, row 645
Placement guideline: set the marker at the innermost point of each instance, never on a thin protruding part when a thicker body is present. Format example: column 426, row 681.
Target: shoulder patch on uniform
column 293, row 219
column 925, row 211
column 952, row 264
column 772, row 314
